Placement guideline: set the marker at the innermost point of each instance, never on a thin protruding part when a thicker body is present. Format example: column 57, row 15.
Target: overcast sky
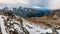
column 52, row 4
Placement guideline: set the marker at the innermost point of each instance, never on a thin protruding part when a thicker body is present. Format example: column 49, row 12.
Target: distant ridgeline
column 27, row 12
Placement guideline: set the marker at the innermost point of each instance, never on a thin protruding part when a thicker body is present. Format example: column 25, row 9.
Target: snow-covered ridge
column 30, row 27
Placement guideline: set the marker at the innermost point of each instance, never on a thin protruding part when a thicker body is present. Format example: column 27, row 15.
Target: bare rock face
column 9, row 12
column 57, row 12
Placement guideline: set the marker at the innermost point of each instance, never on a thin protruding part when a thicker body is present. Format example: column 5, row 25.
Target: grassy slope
column 46, row 20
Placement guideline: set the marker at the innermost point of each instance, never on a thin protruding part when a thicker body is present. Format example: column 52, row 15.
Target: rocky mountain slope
column 52, row 20
column 13, row 25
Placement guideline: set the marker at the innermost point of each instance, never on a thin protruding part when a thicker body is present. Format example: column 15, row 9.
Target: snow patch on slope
column 35, row 29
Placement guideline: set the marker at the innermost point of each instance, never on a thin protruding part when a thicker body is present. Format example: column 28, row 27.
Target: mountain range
column 26, row 11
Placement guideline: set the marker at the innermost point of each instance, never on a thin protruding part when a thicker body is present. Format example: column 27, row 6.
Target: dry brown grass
column 1, row 13
column 38, row 20
column 46, row 20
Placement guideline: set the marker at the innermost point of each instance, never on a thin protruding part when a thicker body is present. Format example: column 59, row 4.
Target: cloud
column 36, row 7
column 14, row 1
column 31, row 2
column 49, row 4
column 23, row 1
column 35, row 2
column 54, row 4
column 6, row 1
